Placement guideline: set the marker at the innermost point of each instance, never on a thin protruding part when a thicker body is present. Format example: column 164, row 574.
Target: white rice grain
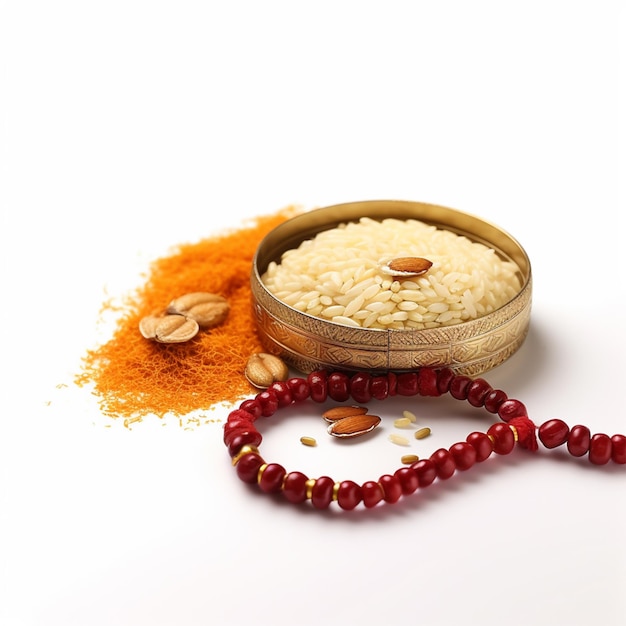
column 336, row 275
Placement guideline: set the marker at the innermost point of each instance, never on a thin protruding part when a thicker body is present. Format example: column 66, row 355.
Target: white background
column 129, row 127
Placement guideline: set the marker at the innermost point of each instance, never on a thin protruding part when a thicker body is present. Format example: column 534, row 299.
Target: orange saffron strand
column 135, row 377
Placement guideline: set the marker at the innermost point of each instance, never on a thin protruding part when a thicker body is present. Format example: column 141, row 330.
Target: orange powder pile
column 135, row 377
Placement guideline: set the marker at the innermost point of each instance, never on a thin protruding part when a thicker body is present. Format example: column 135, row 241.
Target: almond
column 407, row 266
column 208, row 309
column 354, row 426
column 339, row 412
column 262, row 369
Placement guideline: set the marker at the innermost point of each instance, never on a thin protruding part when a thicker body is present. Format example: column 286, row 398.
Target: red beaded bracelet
column 243, row 439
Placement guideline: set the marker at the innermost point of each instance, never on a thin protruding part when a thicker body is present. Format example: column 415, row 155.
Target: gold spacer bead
column 492, row 438
column 309, row 487
column 260, row 472
column 336, row 491
column 244, row 450
column 515, row 435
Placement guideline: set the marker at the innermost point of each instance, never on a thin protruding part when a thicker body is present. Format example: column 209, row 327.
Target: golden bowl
column 308, row 343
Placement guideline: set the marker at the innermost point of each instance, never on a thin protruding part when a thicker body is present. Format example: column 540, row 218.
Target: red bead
column 252, row 406
column 271, row 479
column 407, row 384
column 444, row 378
column 579, row 441
column 392, row 488
column 427, row 382
column 231, row 430
column 503, row 438
column 238, row 418
column 477, row 392
column 600, row 449
column 239, row 440
column 294, row 487
column 511, row 408
column 525, row 432
column 322, row 492
column 283, row 393
column 553, row 433
column 243, row 414
column 464, row 455
column 239, row 431
column 268, row 401
column 618, row 454
column 349, row 495
column 360, row 387
column 372, row 493
column 444, row 463
column 236, row 426
column 317, row 382
column 300, row 389
column 426, row 472
column 248, row 467
column 338, row 386
column 459, row 387
column 379, row 387
column 408, row 480
column 482, row 444
column 494, row 399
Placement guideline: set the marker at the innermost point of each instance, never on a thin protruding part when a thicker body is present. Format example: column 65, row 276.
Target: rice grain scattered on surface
column 398, row 439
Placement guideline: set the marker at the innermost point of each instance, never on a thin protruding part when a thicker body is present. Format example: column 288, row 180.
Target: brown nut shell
column 207, row 309
column 340, row 412
column 262, row 369
column 354, row 426
column 148, row 326
column 168, row 328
